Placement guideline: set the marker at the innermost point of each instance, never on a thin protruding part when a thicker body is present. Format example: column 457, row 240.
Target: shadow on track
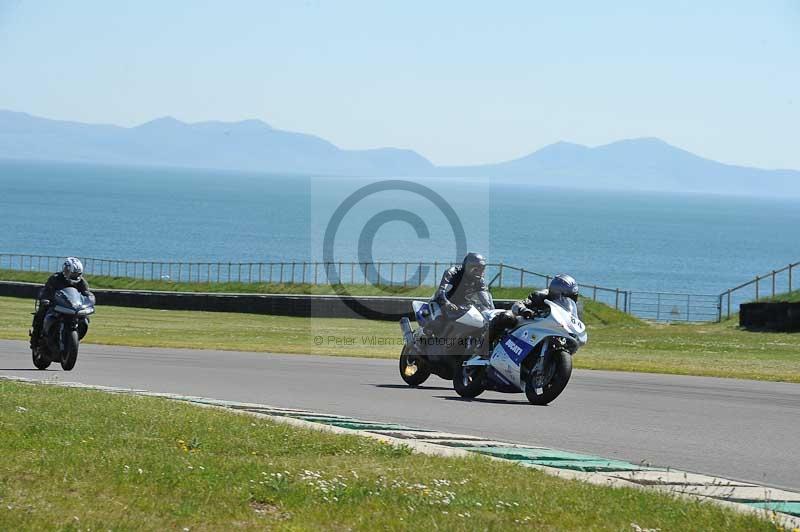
column 481, row 400
column 407, row 387
column 28, row 369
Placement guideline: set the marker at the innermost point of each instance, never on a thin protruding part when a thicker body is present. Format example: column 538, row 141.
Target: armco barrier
column 322, row 306
column 770, row 316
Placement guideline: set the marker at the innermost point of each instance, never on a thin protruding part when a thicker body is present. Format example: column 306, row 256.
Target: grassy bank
column 616, row 341
column 126, row 283
column 790, row 297
column 121, row 462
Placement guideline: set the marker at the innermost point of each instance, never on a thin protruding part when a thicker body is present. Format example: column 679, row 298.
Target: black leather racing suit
column 56, row 282
column 460, row 290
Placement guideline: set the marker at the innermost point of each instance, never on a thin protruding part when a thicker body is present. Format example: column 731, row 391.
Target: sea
column 646, row 241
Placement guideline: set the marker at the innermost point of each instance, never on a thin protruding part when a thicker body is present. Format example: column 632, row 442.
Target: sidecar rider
column 71, row 275
column 460, row 287
column 562, row 286
column 464, row 285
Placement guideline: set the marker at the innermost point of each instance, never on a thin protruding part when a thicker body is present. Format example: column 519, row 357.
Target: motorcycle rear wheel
column 468, row 381
column 70, row 354
column 561, row 364
column 412, row 368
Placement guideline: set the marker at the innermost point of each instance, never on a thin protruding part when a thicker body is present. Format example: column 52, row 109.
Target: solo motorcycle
column 534, row 357
column 65, row 325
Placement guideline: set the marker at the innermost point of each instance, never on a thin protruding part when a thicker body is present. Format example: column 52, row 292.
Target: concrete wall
column 384, row 308
column 770, row 316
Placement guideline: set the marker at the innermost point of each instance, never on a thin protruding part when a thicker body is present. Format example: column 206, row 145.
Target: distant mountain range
column 252, row 145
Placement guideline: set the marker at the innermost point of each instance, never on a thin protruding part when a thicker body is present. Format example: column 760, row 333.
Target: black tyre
column 555, row 379
column 413, row 369
column 468, row 381
column 70, row 354
column 40, row 358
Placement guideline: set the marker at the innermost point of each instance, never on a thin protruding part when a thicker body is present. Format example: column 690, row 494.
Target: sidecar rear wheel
column 413, row 369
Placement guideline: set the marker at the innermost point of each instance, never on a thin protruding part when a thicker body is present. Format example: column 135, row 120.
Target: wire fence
column 657, row 306
column 767, row 286
column 666, row 306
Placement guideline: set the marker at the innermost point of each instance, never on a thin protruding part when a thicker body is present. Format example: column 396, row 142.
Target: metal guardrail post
column 790, row 276
column 729, row 304
column 757, row 279
column 616, row 299
column 773, row 283
column 500, row 276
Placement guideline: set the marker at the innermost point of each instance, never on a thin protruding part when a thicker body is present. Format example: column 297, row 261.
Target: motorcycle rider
column 462, row 286
column 71, row 275
column 562, row 286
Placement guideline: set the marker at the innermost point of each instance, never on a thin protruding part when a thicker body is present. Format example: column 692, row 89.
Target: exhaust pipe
column 408, row 333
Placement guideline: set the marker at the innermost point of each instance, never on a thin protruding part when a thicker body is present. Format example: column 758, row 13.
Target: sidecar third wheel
column 468, row 381
column 413, row 369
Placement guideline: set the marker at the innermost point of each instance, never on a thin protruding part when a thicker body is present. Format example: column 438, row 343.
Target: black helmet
column 474, row 265
column 563, row 285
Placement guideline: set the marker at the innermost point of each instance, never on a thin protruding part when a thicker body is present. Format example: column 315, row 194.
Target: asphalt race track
column 744, row 430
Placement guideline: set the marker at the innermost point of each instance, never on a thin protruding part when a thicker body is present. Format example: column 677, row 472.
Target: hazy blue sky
column 460, row 82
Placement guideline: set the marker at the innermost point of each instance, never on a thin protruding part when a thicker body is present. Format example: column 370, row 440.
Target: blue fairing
column 515, row 348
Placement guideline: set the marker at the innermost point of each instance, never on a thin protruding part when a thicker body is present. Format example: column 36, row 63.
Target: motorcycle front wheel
column 70, row 354
column 557, row 374
column 412, row 368
column 468, row 381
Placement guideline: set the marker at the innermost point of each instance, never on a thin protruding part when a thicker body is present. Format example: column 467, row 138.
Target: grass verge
column 127, row 283
column 616, row 341
column 789, row 297
column 125, row 462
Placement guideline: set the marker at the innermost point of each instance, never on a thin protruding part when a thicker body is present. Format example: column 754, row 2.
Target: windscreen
column 567, row 304
column 69, row 297
column 482, row 299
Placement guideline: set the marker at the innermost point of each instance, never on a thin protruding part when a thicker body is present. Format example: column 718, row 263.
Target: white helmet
column 72, row 269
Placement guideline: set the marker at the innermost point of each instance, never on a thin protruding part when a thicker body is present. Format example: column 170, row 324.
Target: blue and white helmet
column 72, row 269
column 563, row 285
